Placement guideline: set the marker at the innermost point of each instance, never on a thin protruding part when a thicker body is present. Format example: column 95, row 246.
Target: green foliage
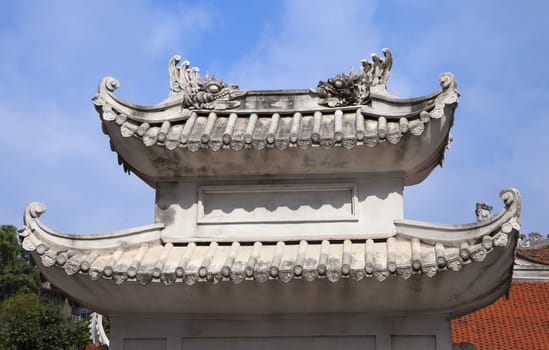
column 107, row 326
column 27, row 323
column 16, row 274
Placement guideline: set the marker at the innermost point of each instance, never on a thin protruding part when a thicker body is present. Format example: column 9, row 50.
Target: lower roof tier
column 462, row 268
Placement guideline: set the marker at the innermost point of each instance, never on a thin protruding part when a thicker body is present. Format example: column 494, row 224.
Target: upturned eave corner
column 475, row 240
column 188, row 92
column 431, row 248
column 36, row 236
column 126, row 259
column 507, row 220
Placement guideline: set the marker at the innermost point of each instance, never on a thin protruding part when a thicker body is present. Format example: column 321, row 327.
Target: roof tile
column 520, row 322
column 539, row 255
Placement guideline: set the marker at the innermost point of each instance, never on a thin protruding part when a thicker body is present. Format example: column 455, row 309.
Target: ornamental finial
column 354, row 88
column 197, row 93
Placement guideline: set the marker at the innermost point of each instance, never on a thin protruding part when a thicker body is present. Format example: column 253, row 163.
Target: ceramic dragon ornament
column 354, row 88
column 197, row 93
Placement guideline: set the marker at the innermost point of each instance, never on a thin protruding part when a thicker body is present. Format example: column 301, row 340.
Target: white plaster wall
column 375, row 202
column 301, row 333
column 286, row 343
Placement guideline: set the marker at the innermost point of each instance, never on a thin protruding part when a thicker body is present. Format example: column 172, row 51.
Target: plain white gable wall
column 318, row 208
column 292, row 332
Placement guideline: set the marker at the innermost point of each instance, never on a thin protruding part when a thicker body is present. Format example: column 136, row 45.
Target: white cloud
column 183, row 25
column 58, row 51
column 313, row 40
column 52, row 147
column 43, row 132
column 498, row 136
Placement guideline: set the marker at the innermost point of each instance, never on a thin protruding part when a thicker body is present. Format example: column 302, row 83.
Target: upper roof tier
column 332, row 129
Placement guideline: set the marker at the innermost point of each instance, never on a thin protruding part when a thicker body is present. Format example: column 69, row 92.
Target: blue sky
column 53, row 54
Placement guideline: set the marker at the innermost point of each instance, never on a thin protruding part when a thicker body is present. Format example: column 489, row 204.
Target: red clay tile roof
column 519, row 323
column 539, row 255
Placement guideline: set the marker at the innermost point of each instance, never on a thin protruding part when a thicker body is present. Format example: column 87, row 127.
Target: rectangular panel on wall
column 277, row 203
column 413, row 342
column 286, row 343
column 145, row 344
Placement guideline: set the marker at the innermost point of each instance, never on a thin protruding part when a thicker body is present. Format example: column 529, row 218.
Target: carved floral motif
column 455, row 264
column 72, row 267
column 405, row 273
column 48, row 259
column 429, row 270
column 479, row 255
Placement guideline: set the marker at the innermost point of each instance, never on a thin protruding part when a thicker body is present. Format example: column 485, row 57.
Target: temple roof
column 518, row 321
column 349, row 126
column 538, row 255
column 351, row 112
column 532, row 260
column 81, row 263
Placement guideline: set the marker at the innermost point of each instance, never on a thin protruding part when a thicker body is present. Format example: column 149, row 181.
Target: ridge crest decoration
column 354, row 88
column 197, row 93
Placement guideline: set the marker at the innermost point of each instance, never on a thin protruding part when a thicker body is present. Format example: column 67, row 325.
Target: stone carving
column 501, row 239
column 404, row 272
column 261, row 275
column 534, row 239
column 479, row 255
column 237, row 276
column 416, row 127
column 168, row 278
column 394, row 136
column 484, row 211
column 97, row 332
column 197, row 93
column 354, row 88
column 381, row 275
column 429, row 270
column 535, row 236
column 448, row 96
column 167, row 125
column 23, row 231
column 72, row 267
column 332, row 274
column 189, row 279
column 455, row 264
column 48, row 258
column 357, row 274
column 95, row 274
column 28, row 244
column 36, row 209
column 120, row 278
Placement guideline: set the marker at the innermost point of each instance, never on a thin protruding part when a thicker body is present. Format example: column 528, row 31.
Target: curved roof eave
column 418, row 247
column 361, row 115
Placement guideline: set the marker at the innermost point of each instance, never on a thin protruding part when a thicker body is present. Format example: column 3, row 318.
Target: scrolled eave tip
column 35, row 209
column 511, row 197
column 109, row 84
column 447, row 81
